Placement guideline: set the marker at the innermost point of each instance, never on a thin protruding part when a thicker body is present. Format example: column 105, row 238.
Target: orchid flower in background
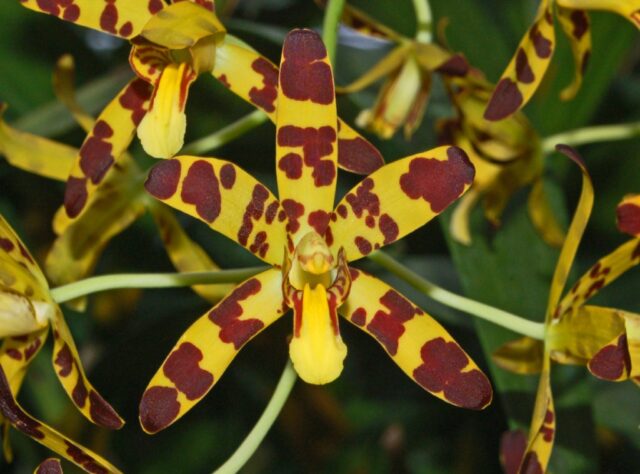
column 408, row 68
column 528, row 66
column 308, row 242
column 27, row 310
column 118, row 201
column 507, row 156
column 606, row 340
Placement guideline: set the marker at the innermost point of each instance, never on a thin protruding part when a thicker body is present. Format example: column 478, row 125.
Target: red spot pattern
column 387, row 327
column 126, row 29
column 25, row 253
column 64, row 360
column 266, row 96
column 389, row 228
column 163, row 179
column 363, row 200
column 253, row 212
column 14, row 353
column 456, row 66
column 319, row 220
column 294, row 211
column 223, row 79
column 95, row 153
column 342, row 211
column 359, row 156
column 612, row 361
column 200, row 188
column 580, row 23
column 155, row 6
column 260, row 246
column 364, row 246
column 270, row 213
column 548, row 431
column 66, row 9
column 359, row 316
column 506, row 99
column 158, row 408
column 316, row 144
column 227, row 313
column 49, row 466
column 629, row 219
column 6, row 244
column 134, row 98
column 542, row 45
column 109, row 17
column 83, row 459
column 438, row 182
column 354, row 274
column 181, row 367
column 513, row 445
column 303, row 76
column 32, row 349
column 13, row 413
column 227, row 176
column 291, row 164
column 441, row 371
column 102, row 413
column 524, row 73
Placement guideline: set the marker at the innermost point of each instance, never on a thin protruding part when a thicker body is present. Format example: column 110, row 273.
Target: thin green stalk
column 599, row 133
column 330, row 26
column 475, row 308
column 424, row 21
column 226, row 134
column 149, row 280
column 262, row 427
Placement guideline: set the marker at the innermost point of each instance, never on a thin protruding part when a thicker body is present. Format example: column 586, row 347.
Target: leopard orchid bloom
column 116, row 202
column 172, row 43
column 528, row 66
column 403, row 97
column 507, row 156
column 309, row 243
column 606, row 340
column 27, row 310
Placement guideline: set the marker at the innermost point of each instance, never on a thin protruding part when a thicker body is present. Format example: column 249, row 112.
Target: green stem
column 424, row 21
column 226, row 134
column 475, row 308
column 261, row 428
column 599, row 133
column 149, row 280
column 330, row 26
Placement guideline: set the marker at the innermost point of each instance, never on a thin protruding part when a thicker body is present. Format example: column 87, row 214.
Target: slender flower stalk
column 227, row 134
column 474, row 308
column 424, row 21
column 246, row 449
column 599, row 133
column 149, row 280
column 330, row 27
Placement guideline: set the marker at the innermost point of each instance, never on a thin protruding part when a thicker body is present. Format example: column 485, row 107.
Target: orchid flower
column 606, row 340
column 528, row 66
column 308, row 243
column 118, row 201
column 403, row 97
column 507, row 156
column 27, row 310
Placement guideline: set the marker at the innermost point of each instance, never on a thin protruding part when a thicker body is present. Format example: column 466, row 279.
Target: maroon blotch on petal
column 159, row 407
column 181, row 367
column 102, row 413
column 200, row 188
column 612, row 361
column 358, row 156
column 163, row 179
column 506, row 100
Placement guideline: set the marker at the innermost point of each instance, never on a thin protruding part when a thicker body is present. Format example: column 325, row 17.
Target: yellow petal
column 35, row 154
column 603, row 272
column 225, row 197
column 124, row 19
column 422, row 348
column 17, row 353
column 627, row 8
column 46, row 435
column 185, row 254
column 316, row 349
column 306, row 129
column 522, row 356
column 206, row 349
column 70, row 372
column 574, row 235
column 181, row 25
column 577, row 27
column 162, row 129
column 17, row 314
column 387, row 65
column 459, row 224
column 397, row 199
column 542, row 216
column 105, row 145
column 254, row 78
column 527, row 68
column 543, row 426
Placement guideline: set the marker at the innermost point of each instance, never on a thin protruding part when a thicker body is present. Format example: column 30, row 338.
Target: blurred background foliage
column 373, row 419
